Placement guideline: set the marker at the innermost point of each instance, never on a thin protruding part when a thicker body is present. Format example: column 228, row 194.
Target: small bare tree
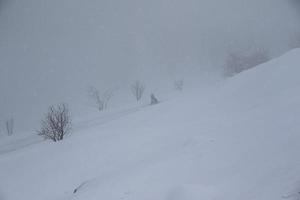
column 101, row 100
column 178, row 85
column 137, row 89
column 9, row 126
column 57, row 123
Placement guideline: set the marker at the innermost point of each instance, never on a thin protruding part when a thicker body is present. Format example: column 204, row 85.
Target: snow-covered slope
column 237, row 140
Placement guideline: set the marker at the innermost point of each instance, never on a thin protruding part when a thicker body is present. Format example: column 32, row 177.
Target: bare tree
column 178, row 85
column 9, row 126
column 137, row 89
column 101, row 100
column 57, row 123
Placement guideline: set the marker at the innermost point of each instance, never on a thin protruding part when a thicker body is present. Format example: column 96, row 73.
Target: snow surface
column 239, row 139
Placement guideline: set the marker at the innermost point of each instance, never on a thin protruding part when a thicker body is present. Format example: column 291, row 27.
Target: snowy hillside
column 239, row 139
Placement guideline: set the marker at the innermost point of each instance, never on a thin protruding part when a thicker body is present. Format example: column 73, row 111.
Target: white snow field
column 237, row 140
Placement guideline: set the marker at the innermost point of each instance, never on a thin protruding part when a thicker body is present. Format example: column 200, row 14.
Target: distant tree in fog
column 9, row 124
column 57, row 123
column 137, row 89
column 101, row 100
column 178, row 85
column 238, row 62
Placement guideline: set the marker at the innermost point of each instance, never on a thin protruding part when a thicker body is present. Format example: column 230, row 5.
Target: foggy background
column 52, row 51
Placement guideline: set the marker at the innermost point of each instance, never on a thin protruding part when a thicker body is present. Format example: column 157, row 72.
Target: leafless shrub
column 9, row 126
column 57, row 123
column 237, row 62
column 137, row 89
column 178, row 85
column 101, row 100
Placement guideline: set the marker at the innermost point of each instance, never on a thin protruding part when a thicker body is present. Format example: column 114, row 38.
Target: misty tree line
column 57, row 121
column 238, row 61
column 137, row 88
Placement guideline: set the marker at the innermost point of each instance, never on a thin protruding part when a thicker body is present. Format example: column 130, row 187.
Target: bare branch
column 101, row 100
column 137, row 89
